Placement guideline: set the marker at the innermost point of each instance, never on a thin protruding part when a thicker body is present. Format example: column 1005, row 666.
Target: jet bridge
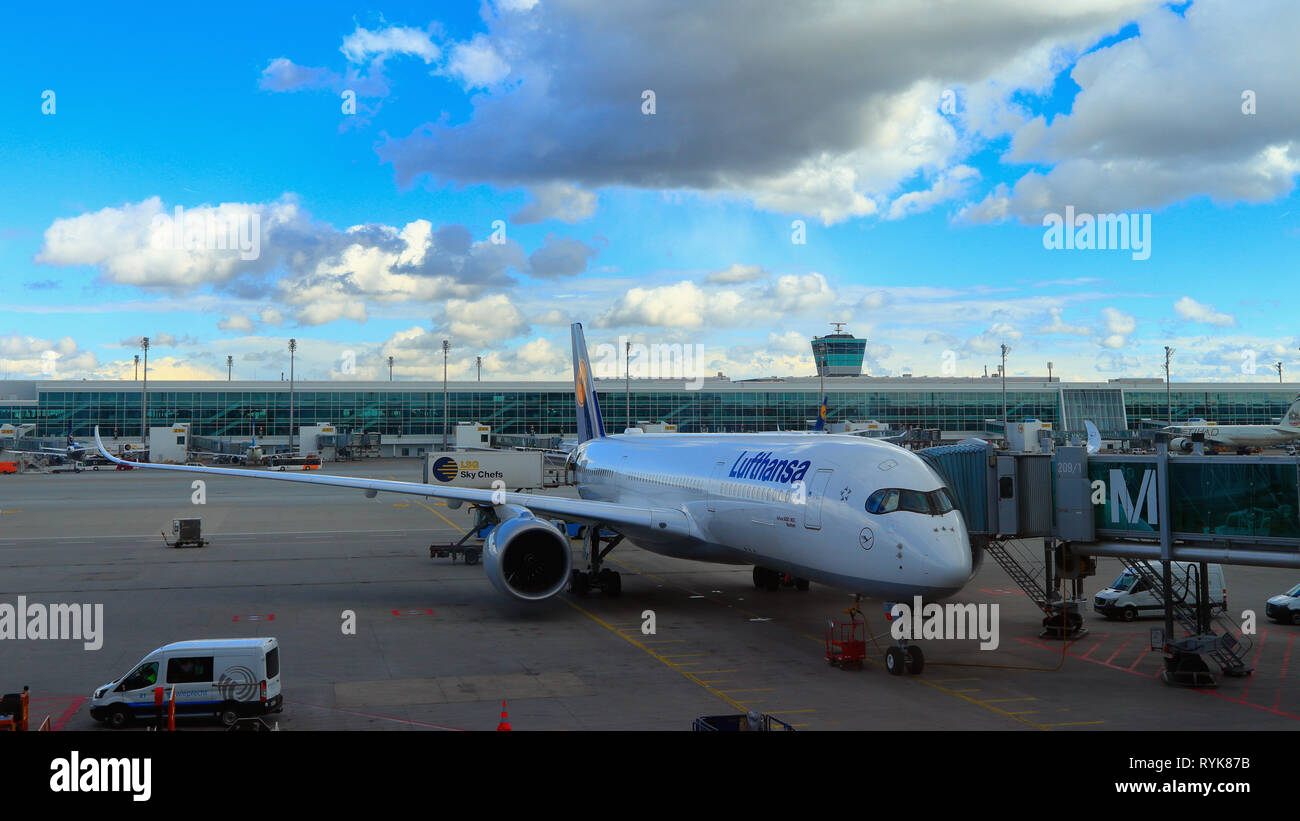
column 1157, row 506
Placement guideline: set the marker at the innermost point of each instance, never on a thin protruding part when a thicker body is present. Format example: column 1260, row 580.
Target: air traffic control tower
column 838, row 354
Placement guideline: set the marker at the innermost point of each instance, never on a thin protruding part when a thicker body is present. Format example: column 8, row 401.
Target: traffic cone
column 504, row 726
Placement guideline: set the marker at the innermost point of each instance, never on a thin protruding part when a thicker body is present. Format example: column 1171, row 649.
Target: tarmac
column 437, row 648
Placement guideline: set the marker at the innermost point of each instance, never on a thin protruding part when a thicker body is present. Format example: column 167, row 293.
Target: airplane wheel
column 915, row 660
column 895, row 661
column 759, row 579
column 578, row 584
column 612, row 584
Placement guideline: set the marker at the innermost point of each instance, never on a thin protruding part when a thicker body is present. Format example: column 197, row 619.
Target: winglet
column 590, row 425
column 103, row 451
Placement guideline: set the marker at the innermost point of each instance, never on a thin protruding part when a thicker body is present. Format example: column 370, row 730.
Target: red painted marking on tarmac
column 255, row 617
column 1282, row 678
column 412, row 612
column 376, row 715
column 64, row 717
column 1057, row 650
column 1000, row 591
column 1259, row 652
column 1100, row 641
column 1272, row 710
column 1117, row 652
column 1145, row 652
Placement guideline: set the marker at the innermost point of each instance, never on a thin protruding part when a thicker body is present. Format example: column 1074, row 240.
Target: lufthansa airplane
column 864, row 516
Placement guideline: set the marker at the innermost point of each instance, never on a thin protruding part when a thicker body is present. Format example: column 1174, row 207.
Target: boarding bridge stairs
column 1225, row 643
column 1028, row 574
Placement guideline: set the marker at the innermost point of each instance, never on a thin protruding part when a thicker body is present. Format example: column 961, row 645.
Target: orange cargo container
column 8, row 467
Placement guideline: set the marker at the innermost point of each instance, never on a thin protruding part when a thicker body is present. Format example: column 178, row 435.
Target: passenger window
column 189, row 670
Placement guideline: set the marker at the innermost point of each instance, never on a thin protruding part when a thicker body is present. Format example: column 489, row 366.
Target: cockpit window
column 884, row 500
column 932, row 503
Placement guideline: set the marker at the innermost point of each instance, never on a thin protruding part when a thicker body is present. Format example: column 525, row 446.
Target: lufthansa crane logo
column 580, row 385
column 445, row 469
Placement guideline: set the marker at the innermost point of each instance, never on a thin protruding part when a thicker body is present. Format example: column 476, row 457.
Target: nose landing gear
column 904, row 658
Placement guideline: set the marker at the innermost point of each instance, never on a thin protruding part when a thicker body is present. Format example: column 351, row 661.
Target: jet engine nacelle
column 526, row 557
column 1182, row 443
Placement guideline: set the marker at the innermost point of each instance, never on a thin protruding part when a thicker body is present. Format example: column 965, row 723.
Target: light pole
column 1006, row 349
column 446, row 346
column 230, row 367
column 137, row 367
column 1169, row 402
column 478, row 365
column 390, row 369
column 1279, row 372
column 144, row 394
column 1049, row 371
column 293, row 347
column 627, row 383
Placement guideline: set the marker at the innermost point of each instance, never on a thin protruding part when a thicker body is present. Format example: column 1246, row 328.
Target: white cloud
column 236, row 323
column 364, row 44
column 1189, row 308
column 736, row 274
column 477, row 63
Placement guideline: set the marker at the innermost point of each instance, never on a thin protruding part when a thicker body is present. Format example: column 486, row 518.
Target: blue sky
column 501, row 178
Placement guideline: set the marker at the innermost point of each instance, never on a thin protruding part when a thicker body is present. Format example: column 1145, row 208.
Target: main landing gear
column 771, row 580
column 607, row 581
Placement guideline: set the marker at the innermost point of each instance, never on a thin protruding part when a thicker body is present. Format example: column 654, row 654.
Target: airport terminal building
column 956, row 406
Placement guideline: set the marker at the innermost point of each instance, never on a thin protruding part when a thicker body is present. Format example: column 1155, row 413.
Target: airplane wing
column 666, row 520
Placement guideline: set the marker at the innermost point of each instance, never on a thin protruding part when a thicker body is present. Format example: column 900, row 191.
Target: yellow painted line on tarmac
column 751, row 690
column 985, row 704
column 401, row 504
column 1022, row 712
column 439, row 515
column 651, row 652
column 1004, row 700
column 7, row 512
column 682, row 655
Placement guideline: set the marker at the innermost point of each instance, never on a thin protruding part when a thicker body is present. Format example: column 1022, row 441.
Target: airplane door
column 715, row 485
column 812, row 509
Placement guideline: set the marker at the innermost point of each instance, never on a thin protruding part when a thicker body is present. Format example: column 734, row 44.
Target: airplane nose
column 950, row 562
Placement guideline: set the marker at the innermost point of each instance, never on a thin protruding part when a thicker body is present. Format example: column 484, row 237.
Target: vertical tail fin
column 1291, row 419
column 821, row 415
column 590, row 425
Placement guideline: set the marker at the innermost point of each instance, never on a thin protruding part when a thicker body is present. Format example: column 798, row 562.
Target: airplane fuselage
column 790, row 502
column 1239, row 436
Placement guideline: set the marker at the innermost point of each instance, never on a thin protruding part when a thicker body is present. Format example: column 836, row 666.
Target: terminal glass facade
column 548, row 409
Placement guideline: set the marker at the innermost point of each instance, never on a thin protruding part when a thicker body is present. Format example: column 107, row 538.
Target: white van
column 228, row 678
column 1129, row 597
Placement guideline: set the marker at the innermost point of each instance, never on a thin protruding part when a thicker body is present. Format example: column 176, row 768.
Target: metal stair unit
column 1229, row 649
column 1013, row 563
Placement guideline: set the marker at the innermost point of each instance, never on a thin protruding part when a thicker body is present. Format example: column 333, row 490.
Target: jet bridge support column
column 1184, row 665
